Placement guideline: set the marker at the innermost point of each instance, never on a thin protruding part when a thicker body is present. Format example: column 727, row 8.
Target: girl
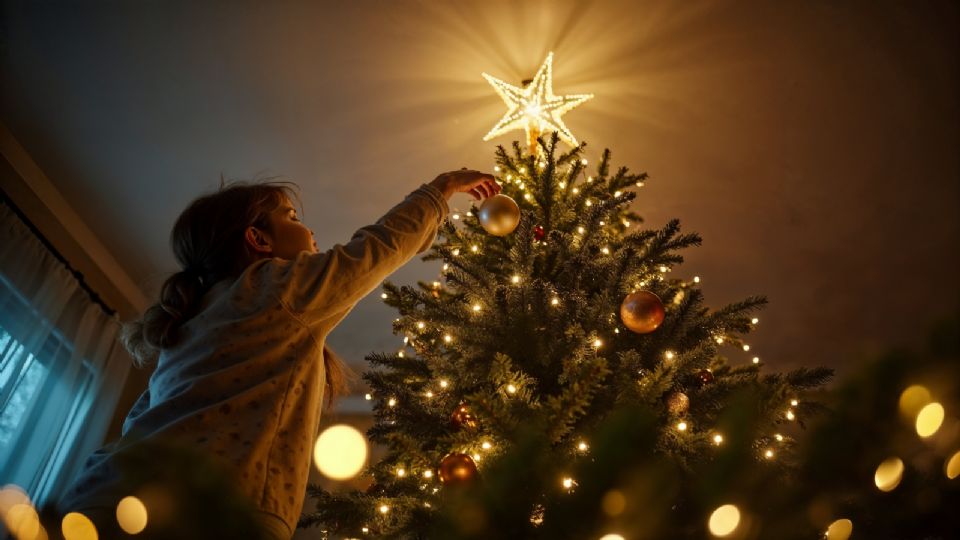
column 242, row 370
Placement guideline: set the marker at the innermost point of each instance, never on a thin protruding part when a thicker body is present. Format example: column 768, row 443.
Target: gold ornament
column 642, row 312
column 499, row 215
column 534, row 108
column 462, row 418
column 677, row 403
column 457, row 470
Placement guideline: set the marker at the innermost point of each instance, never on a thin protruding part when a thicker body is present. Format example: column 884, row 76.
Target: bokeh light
column 952, row 468
column 76, row 526
column 340, row 452
column 614, row 503
column 724, row 520
column 840, row 529
column 929, row 419
column 22, row 521
column 913, row 399
column 888, row 475
column 132, row 515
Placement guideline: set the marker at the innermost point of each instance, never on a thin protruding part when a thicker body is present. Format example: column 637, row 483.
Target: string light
column 582, row 446
column 583, row 161
column 597, row 343
column 581, row 230
column 696, row 279
column 401, row 472
column 515, row 279
column 719, row 341
column 718, row 439
column 428, row 473
column 384, row 296
column 400, row 354
column 778, row 437
column 575, row 190
column 456, row 252
column 384, row 509
column 663, row 269
column 474, row 248
column 754, row 320
column 589, row 202
column 554, row 301
column 446, row 267
column 476, row 457
column 568, row 482
column 617, row 193
column 794, row 402
column 562, row 185
column 486, row 445
column 929, row 419
column 756, row 359
column 681, row 426
column 476, row 307
column 746, row 347
column 392, row 402
column 523, row 170
column 444, row 383
column 639, row 184
column 447, row 338
column 668, row 355
column 421, row 325
column 527, row 197
column 496, row 168
column 626, row 223
column 605, row 250
column 511, row 389
column 455, row 216
column 429, row 394
column 367, row 397
column 790, row 415
column 768, row 454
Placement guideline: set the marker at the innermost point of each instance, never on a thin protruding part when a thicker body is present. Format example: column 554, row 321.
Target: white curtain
column 61, row 366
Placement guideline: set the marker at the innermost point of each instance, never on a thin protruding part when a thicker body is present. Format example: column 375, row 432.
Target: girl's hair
column 208, row 242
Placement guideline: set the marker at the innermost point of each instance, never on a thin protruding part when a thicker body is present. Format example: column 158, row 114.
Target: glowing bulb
column 446, row 267
column 724, row 520
column 794, row 402
column 717, row 439
column 429, row 394
column 476, row 457
column 778, row 437
column 384, row 509
column 754, row 320
column 401, row 472
column 554, row 301
column 340, row 452
column 486, row 445
column 598, row 343
column 400, row 354
column 583, row 161
column 888, row 474
column 527, row 197
column 523, row 170
column 581, row 230
column 626, row 223
column 575, row 190
column 840, row 529
column 639, row 184
column 384, row 296
column 790, row 415
column 421, row 325
column 428, row 473
column 768, row 454
column 589, row 202
column 562, row 185
column 76, row 526
column 447, row 338
column 682, row 426
column 605, row 250
column 617, row 193
column 367, row 397
column 515, row 279
column 756, row 359
column 476, row 307
column 746, row 347
column 444, row 383
column 696, row 279
column 913, row 399
column 511, row 389
column 611, row 536
column 582, row 446
column 568, row 482
column 668, row 355
column 496, row 168
column 474, row 248
column 455, row 216
column 952, row 466
column 456, row 252
column 663, row 269
column 929, row 419
column 392, row 402
column 719, row 341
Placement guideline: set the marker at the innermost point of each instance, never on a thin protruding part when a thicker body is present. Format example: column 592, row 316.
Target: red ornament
column 539, row 233
column 461, row 417
column 457, row 470
column 705, row 376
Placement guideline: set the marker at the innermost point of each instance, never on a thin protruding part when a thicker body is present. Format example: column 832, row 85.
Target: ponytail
column 159, row 328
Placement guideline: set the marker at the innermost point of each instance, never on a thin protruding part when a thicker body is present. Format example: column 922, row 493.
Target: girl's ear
column 257, row 240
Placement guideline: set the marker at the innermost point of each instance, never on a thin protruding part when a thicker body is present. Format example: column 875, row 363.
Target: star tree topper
column 534, row 107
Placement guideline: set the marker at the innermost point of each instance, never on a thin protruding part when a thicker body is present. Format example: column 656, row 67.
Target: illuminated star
column 534, row 107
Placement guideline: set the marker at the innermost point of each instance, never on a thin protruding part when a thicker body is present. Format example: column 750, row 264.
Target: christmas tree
column 541, row 333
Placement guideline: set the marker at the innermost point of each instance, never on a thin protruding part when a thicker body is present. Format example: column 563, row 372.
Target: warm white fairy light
column 639, row 184
column 562, row 185
column 428, row 473
column 474, row 248
column 446, row 267
column 663, row 269
column 768, row 454
column 617, row 193
column 515, row 279
column 778, row 437
column 534, row 107
column 581, row 230
column 790, row 415
column 602, row 223
column 367, row 397
column 384, row 296
column 421, row 325
column 509, row 177
column 469, row 213
column 365, row 530
column 582, row 446
column 455, row 216
column 496, row 168
column 384, row 509
column 392, row 402
column 429, row 394
column 575, row 190
column 511, row 389
column 554, row 301
column 476, row 307
column 456, row 252
column 597, row 343
column 719, row 340
column 696, row 279
column 401, row 472
column 718, row 439
column 668, row 355
column 583, row 161
column 681, row 426
column 444, row 383
column 447, row 338
column 589, row 202
column 756, row 359
column 527, row 196
column 605, row 250
column 523, row 170
column 567, row 482
column 476, row 457
column 400, row 354
column 626, row 223
column 754, row 320
column 486, row 445
column 541, row 164
column 794, row 402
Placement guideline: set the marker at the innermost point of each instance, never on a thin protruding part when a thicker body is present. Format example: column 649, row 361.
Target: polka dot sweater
column 245, row 383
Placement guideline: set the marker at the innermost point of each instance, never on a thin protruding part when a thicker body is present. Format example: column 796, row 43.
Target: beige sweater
column 245, row 384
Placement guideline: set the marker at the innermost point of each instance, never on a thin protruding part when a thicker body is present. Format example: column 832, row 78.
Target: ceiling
column 813, row 145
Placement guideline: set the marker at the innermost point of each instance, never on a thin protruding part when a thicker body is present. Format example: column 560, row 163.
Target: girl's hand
column 477, row 184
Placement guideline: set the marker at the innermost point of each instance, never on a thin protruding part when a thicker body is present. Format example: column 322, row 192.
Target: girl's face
column 287, row 236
